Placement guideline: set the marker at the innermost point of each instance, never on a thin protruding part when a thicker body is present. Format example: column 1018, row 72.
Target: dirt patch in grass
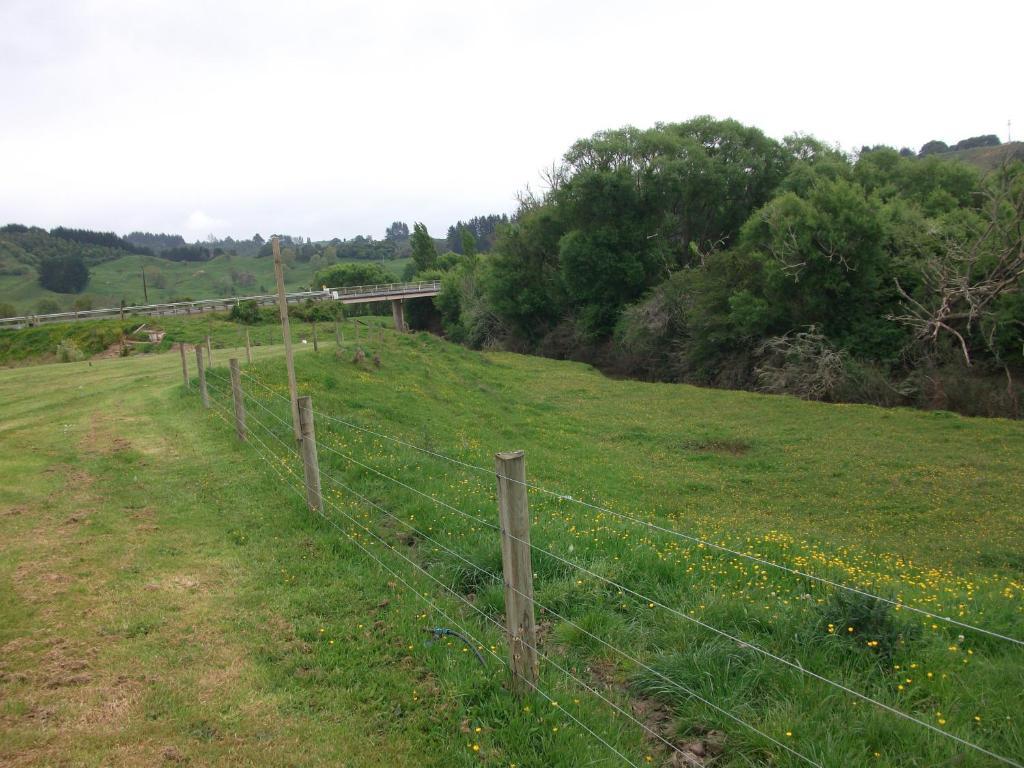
column 721, row 446
column 101, row 438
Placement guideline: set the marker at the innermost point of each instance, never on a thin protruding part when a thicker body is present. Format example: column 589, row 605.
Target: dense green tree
column 933, row 147
column 468, row 243
column 398, row 230
column 702, row 178
column 607, row 259
column 106, row 239
column 625, row 208
column 154, row 243
column 63, row 274
column 527, row 288
column 988, row 140
column 824, row 264
column 483, row 228
column 344, row 275
column 938, row 186
column 424, row 252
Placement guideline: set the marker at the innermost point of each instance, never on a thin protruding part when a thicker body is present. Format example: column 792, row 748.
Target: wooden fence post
column 282, row 308
column 337, row 334
column 236, row 396
column 517, row 568
column 316, row 346
column 202, row 376
column 248, row 348
column 209, row 350
column 184, row 364
column 311, row 468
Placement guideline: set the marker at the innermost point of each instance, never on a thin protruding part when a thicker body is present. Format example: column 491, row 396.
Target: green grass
column 920, row 506
column 121, row 278
column 39, row 344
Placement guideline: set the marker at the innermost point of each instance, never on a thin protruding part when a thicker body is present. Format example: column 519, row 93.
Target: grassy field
column 122, row 279
column 40, row 344
column 164, row 594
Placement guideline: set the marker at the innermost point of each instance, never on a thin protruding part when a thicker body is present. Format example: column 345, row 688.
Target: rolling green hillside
column 121, row 278
column 191, row 537
column 987, row 158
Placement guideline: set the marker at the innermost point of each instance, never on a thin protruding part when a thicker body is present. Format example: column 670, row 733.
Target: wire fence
column 271, row 433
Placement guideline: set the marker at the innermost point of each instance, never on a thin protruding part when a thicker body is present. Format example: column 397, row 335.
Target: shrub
column 245, row 312
column 319, row 311
column 68, row 351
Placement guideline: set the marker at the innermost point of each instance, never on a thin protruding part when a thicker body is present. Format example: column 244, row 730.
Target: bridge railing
column 384, row 290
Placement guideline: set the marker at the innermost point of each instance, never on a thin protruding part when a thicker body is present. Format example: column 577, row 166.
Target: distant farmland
column 121, row 278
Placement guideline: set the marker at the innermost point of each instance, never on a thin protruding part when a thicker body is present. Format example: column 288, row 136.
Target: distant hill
column 22, row 248
column 986, row 158
column 116, row 274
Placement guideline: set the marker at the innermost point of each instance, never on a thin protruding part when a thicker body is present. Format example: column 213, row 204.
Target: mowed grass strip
column 164, row 600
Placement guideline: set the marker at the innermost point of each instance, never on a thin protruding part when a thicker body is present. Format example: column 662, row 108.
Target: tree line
column 707, row 252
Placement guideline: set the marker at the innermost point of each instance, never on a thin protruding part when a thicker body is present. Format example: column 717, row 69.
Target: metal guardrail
column 382, row 290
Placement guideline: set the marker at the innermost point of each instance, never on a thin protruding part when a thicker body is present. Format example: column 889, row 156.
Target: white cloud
column 199, row 223
column 336, row 117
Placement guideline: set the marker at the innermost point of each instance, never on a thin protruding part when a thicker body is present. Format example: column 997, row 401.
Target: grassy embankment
column 111, row 281
column 40, row 344
column 326, row 647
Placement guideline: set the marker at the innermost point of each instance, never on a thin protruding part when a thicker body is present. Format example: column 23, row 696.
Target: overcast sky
column 335, row 118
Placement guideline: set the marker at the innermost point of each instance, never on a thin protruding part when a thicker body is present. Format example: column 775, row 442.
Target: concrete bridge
column 396, row 293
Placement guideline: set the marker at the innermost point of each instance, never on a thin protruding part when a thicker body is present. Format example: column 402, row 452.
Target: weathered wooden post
column 184, row 364
column 248, row 347
column 337, row 334
column 314, row 499
column 517, row 568
column 316, row 346
column 236, row 396
column 202, row 376
column 282, row 306
column 209, row 350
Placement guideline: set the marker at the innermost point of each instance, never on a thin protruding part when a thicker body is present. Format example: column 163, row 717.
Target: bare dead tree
column 964, row 281
column 803, row 363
